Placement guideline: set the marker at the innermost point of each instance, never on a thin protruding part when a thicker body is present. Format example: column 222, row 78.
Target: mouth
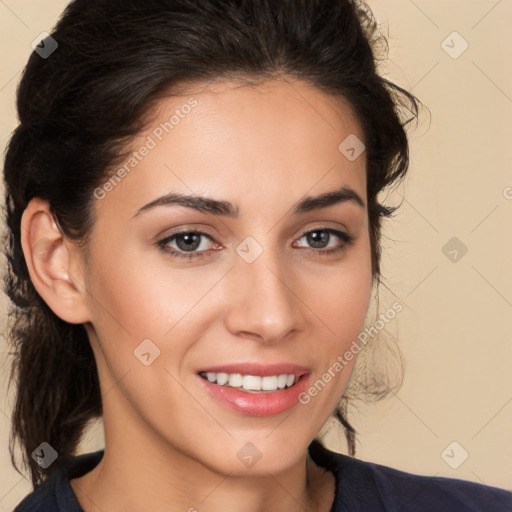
column 255, row 389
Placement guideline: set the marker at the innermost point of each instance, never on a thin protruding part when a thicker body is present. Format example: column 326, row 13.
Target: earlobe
column 49, row 257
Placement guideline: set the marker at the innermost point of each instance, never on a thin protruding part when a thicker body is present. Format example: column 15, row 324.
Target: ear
column 54, row 263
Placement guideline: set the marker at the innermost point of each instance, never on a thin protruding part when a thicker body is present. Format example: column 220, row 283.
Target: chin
column 256, row 457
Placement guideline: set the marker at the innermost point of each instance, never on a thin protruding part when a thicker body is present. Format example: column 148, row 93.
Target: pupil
column 191, row 241
column 317, row 241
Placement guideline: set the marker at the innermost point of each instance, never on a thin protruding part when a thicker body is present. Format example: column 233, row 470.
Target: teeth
column 281, row 381
column 235, row 380
column 269, row 383
column 251, row 382
column 222, row 378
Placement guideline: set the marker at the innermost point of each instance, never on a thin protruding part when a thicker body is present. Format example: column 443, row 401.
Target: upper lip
column 258, row 369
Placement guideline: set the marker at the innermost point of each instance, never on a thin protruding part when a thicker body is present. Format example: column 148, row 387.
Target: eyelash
column 163, row 244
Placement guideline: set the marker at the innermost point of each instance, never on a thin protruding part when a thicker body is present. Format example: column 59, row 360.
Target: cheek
column 137, row 298
column 342, row 301
column 341, row 294
column 127, row 300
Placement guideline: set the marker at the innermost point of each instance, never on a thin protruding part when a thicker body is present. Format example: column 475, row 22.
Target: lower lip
column 257, row 404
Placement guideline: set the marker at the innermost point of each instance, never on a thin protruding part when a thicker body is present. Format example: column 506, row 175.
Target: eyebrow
column 226, row 209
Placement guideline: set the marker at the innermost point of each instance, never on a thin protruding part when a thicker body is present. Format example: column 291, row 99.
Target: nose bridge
column 264, row 303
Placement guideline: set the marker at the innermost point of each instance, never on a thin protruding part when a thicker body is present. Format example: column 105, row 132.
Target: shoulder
column 367, row 486
column 40, row 499
column 399, row 490
column 55, row 494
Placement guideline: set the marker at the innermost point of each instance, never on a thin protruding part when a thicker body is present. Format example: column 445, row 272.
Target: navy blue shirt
column 361, row 486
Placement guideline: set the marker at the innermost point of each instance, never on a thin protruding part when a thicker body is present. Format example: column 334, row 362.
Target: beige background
column 455, row 328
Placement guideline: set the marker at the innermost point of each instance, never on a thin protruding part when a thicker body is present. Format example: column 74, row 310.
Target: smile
column 251, row 383
column 255, row 389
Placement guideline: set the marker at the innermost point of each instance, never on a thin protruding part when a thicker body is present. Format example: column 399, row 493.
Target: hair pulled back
column 78, row 107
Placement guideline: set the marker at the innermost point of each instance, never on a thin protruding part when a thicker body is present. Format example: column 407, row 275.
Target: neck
column 133, row 479
column 149, row 474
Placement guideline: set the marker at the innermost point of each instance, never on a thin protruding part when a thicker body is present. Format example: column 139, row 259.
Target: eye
column 319, row 238
column 189, row 244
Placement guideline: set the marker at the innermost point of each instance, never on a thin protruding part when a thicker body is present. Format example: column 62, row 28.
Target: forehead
column 272, row 111
column 248, row 142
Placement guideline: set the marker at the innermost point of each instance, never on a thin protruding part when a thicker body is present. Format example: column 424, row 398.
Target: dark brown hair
column 77, row 109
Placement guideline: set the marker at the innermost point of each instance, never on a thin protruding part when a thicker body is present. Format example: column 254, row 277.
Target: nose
column 263, row 300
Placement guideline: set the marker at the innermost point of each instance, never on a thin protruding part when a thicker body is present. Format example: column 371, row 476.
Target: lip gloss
column 257, row 403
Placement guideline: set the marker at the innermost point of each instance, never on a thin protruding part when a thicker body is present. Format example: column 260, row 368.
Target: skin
column 169, row 446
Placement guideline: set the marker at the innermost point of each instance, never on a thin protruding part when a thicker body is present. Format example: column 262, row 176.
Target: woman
column 193, row 241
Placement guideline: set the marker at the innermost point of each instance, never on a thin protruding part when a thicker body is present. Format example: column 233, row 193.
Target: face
column 264, row 284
